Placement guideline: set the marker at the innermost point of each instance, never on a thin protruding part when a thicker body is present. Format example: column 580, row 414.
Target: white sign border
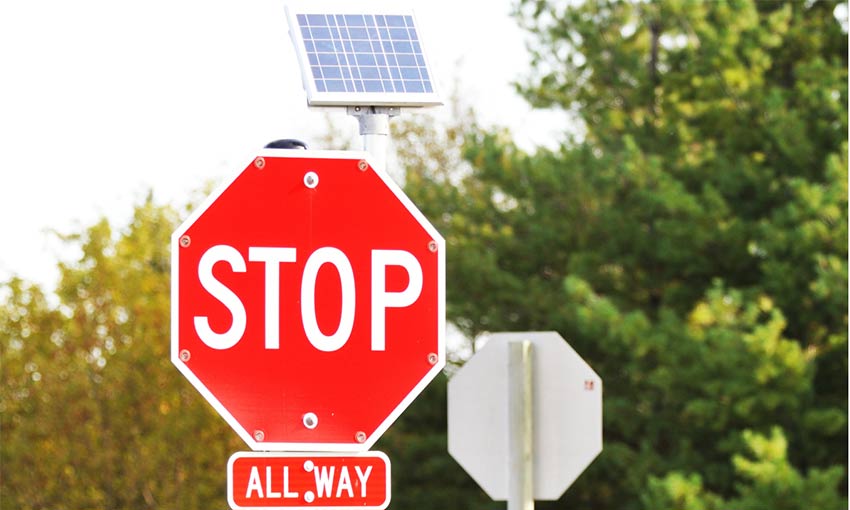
column 244, row 434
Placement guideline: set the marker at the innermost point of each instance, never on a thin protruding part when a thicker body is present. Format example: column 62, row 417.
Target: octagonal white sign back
column 567, row 415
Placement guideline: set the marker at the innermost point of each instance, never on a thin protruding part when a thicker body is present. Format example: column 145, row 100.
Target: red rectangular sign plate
column 308, row 480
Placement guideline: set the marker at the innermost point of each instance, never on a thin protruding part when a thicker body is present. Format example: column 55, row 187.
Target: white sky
column 101, row 100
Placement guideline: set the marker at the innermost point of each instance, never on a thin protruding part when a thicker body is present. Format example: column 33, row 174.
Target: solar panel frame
column 352, row 56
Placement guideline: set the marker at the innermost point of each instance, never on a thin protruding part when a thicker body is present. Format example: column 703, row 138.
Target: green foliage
column 772, row 483
column 689, row 238
column 93, row 414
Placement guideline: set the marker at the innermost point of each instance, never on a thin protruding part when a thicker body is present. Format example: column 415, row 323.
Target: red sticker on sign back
column 308, row 480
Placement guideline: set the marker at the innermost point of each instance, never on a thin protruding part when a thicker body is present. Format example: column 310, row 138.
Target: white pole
column 375, row 129
column 520, row 426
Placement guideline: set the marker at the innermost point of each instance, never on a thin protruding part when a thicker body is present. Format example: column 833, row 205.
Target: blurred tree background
column 688, row 237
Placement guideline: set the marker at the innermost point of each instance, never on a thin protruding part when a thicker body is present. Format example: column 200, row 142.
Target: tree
column 93, row 414
column 690, row 240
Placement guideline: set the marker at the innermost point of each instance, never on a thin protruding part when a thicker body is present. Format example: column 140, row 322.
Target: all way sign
column 308, row 480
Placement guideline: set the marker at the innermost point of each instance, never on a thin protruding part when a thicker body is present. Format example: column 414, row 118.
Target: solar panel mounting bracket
column 374, row 124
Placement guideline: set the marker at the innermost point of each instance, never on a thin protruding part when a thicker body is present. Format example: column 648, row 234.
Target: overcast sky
column 103, row 100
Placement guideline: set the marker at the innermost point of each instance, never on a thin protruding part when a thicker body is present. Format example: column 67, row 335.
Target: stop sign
column 308, row 301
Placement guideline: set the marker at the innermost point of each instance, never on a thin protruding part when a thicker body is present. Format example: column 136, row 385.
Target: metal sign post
column 375, row 129
column 521, row 425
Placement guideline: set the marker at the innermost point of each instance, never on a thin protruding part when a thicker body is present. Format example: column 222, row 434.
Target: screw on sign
column 308, row 301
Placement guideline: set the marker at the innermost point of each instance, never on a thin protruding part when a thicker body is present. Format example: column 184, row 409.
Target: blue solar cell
column 362, row 46
column 332, row 72
column 324, row 46
column 410, row 73
column 366, row 59
column 395, row 21
column 335, row 85
column 317, row 33
column 358, row 33
column 399, row 34
column 402, row 47
column 364, row 53
column 413, row 86
column 328, row 59
column 406, row 60
column 315, row 19
column 354, row 20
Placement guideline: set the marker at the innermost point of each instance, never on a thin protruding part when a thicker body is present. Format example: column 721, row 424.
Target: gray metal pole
column 375, row 129
column 520, row 426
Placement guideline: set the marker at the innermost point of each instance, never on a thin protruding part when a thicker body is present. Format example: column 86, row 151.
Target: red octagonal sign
column 308, row 301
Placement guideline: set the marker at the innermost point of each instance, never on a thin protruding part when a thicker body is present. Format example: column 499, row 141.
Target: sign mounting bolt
column 362, row 165
column 259, row 435
column 185, row 241
column 310, row 420
column 311, row 179
column 260, row 163
column 185, row 355
column 360, row 436
column 432, row 246
column 433, row 358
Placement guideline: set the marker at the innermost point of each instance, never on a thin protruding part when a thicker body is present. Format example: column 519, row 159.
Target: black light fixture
column 287, row 143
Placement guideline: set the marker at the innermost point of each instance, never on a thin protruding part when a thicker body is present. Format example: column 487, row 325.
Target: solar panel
column 361, row 58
